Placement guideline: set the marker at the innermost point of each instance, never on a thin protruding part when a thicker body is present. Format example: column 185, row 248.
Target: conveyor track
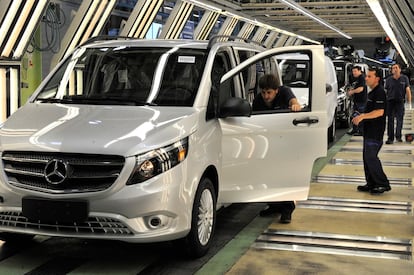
column 368, row 246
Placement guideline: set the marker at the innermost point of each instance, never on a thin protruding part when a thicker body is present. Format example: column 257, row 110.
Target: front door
column 269, row 156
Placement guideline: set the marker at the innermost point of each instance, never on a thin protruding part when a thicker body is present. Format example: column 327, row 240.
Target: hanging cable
column 53, row 20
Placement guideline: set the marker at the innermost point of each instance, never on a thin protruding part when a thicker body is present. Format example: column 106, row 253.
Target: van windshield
column 127, row 76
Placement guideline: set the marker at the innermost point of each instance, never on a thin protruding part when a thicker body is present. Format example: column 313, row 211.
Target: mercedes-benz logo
column 56, row 171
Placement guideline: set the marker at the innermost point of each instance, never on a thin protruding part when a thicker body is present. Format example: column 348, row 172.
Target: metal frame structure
column 272, row 23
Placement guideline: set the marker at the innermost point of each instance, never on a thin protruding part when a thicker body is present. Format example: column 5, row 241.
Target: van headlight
column 158, row 161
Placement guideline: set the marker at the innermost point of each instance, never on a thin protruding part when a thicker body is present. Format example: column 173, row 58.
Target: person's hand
column 356, row 120
column 295, row 107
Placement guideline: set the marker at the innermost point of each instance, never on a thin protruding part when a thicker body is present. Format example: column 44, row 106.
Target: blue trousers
column 395, row 109
column 374, row 174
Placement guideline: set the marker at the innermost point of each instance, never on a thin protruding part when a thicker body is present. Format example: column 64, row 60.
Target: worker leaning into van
column 273, row 97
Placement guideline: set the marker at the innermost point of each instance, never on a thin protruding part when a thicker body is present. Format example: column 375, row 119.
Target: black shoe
column 286, row 218
column 389, row 142
column 380, row 189
column 352, row 132
column 270, row 210
column 358, row 134
column 399, row 140
column 364, row 188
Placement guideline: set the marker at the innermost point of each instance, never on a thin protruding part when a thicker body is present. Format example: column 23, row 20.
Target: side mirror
column 234, row 106
column 328, row 88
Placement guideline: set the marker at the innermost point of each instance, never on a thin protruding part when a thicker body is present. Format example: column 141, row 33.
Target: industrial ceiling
column 353, row 17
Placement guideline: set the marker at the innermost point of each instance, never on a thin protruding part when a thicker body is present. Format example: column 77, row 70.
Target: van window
column 127, row 76
column 219, row 92
column 296, row 74
column 253, row 73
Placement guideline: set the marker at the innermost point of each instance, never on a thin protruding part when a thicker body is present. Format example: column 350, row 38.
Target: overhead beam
column 227, row 27
column 205, row 25
column 330, row 10
column 246, row 30
column 88, row 21
column 141, row 18
column 304, row 4
column 177, row 19
column 259, row 34
column 271, row 38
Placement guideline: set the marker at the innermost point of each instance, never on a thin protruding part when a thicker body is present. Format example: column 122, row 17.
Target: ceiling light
column 239, row 16
column 304, row 11
column 382, row 19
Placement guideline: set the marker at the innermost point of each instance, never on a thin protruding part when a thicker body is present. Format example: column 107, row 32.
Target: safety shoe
column 380, row 189
column 364, row 188
column 286, row 218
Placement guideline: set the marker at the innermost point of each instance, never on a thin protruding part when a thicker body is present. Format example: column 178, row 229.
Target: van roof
column 159, row 43
column 115, row 41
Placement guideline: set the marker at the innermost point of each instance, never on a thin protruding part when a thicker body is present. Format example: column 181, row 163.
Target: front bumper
column 156, row 210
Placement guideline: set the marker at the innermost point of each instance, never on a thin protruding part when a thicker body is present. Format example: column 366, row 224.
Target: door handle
column 307, row 120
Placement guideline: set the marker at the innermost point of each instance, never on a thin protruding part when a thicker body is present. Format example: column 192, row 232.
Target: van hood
column 95, row 129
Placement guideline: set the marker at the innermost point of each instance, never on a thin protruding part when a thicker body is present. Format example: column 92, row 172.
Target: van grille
column 94, row 225
column 61, row 173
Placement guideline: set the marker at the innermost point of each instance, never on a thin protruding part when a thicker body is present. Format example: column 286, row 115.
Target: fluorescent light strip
column 204, row 5
column 104, row 17
column 148, row 19
column 138, row 20
column 178, row 22
column 82, row 26
column 382, row 19
column 304, row 11
column 17, row 28
column 8, row 20
column 25, row 39
column 94, row 21
column 245, row 19
column 206, row 24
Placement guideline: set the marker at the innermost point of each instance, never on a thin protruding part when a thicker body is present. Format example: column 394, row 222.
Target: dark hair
column 269, row 81
column 377, row 71
column 357, row 67
column 398, row 64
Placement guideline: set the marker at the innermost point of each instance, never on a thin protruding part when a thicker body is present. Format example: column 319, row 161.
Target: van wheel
column 203, row 220
column 15, row 237
column 347, row 122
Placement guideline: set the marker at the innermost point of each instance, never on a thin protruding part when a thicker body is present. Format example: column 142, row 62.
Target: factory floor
column 338, row 230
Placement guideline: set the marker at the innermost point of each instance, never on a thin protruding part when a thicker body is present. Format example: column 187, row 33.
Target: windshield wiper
column 105, row 99
column 101, row 100
column 53, row 100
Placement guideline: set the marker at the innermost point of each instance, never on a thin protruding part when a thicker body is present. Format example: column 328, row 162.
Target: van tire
column 347, row 121
column 203, row 220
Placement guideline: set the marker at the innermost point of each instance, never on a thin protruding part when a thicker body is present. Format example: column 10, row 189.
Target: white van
column 296, row 73
column 142, row 140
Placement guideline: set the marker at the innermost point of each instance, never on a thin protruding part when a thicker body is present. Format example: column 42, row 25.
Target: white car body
column 165, row 162
column 296, row 74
